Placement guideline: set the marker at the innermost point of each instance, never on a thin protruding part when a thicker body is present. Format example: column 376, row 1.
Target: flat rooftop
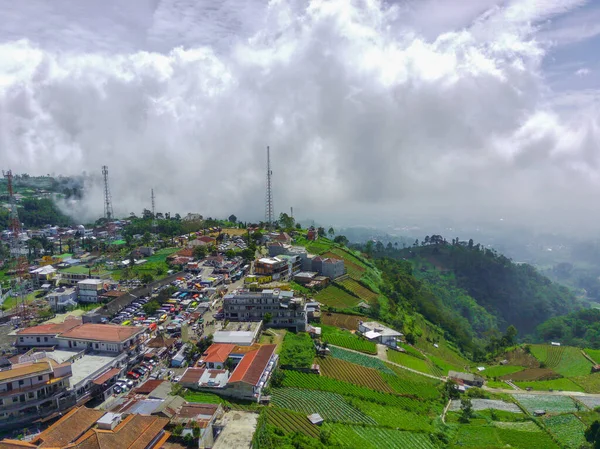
column 246, row 326
column 89, row 364
column 62, row 356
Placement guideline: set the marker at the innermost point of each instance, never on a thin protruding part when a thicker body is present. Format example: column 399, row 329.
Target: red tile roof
column 52, row 328
column 253, row 365
column 192, row 375
column 103, row 332
column 217, row 353
column 68, row 428
column 207, row 239
column 191, row 410
column 105, row 377
column 148, row 386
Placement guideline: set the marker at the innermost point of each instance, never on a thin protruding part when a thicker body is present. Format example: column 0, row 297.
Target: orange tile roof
column 148, row 386
column 51, row 329
column 105, row 377
column 25, row 369
column 15, row 444
column 245, row 349
column 68, row 428
column 252, row 365
column 103, row 332
column 192, row 375
column 217, row 352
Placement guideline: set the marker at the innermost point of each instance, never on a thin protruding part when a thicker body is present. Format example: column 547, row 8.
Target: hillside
column 486, row 288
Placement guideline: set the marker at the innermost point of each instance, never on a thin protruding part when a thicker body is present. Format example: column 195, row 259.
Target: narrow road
column 446, row 411
column 538, row 392
column 391, row 363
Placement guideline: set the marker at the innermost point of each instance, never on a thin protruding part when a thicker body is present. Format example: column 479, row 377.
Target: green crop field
column 526, row 440
column 589, row 383
column 330, row 406
column 549, row 403
column 350, row 372
column 289, row 421
column 347, row 340
column 358, row 290
column 394, row 417
column 342, row 320
column 567, row 429
column 563, row 384
column 377, row 438
column 477, row 436
column 485, row 436
column 594, row 354
column 336, row 297
column 359, row 359
column 565, row 360
column 315, row 382
column 500, row 370
column 410, row 361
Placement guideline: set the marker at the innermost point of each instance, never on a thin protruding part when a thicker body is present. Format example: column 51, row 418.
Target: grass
column 336, row 297
column 267, row 338
column 298, row 350
column 410, row 361
column 359, row 290
column 500, row 370
column 556, row 384
column 565, row 360
column 345, row 339
column 594, row 354
column 206, row 398
column 331, row 406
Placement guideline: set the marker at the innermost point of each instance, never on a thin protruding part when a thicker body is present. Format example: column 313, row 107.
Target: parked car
column 133, row 375
column 117, row 389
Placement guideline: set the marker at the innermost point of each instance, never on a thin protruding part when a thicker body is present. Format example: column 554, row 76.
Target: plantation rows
column 336, row 297
column 352, row 373
column 359, row 290
column 291, row 422
column 489, row 436
column 315, row 382
column 376, row 438
column 395, row 417
column 359, row 359
column 550, row 403
column 352, row 342
column 419, row 364
column 565, row 360
column 330, row 406
column 425, row 390
column 341, row 320
column 567, row 429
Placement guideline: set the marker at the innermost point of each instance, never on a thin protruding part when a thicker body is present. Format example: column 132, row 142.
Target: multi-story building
column 34, row 388
column 283, row 308
column 90, row 290
column 62, row 298
column 44, row 335
column 271, row 266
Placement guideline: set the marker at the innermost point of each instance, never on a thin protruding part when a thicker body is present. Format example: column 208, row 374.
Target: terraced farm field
column 394, row 417
column 342, row 320
column 336, row 297
column 359, row 290
column 377, row 438
column 420, row 389
column 565, row 360
column 589, row 383
column 549, row 403
column 330, row 406
column 418, row 364
column 526, row 440
column 567, row 429
column 349, row 372
column 352, row 342
column 291, row 421
column 594, row 354
column 483, row 436
column 359, row 359
column 322, row 383
column 500, row 370
column 531, row 374
column 485, row 404
column 563, row 384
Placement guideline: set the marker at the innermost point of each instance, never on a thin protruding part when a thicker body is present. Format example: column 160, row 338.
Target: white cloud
column 582, row 72
column 362, row 115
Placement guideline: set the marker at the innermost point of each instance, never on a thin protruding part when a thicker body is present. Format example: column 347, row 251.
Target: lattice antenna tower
column 14, row 223
column 269, row 211
column 153, row 210
column 108, row 210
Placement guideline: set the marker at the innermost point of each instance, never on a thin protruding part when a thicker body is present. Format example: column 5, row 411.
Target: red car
column 133, row 375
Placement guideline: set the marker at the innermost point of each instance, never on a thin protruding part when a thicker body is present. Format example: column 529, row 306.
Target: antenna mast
column 108, row 210
column 269, row 212
column 153, row 210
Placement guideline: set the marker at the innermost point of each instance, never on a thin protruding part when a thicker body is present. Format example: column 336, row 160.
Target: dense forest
column 581, row 328
column 469, row 290
column 35, row 213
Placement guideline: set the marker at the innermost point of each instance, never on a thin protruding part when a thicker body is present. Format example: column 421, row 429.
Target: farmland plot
column 549, row 403
column 590, row 383
column 336, row 297
column 563, row 384
column 524, row 426
column 531, row 374
column 477, row 436
column 500, row 370
column 594, row 354
column 349, row 372
column 526, row 440
column 291, row 421
column 330, row 406
column 394, row 417
column 590, row 402
column 377, row 437
column 418, row 364
column 567, row 429
column 359, row 290
column 342, row 321
column 359, row 359
column 565, row 360
column 484, row 404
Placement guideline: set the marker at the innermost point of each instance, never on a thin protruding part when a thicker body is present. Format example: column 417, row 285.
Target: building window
column 96, row 345
column 21, row 382
column 45, row 338
column 15, row 399
column 21, row 339
column 40, row 378
column 30, row 395
column 37, row 339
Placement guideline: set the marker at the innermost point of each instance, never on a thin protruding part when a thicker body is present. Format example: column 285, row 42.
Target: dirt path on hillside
column 382, row 352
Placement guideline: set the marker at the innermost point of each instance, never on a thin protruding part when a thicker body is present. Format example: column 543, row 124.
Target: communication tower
column 153, row 211
column 269, row 211
column 108, row 210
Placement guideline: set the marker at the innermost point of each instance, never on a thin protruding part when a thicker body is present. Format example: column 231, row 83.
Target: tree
column 341, row 239
column 151, row 307
column 146, row 278
column 321, row 231
column 200, row 251
column 147, row 214
column 451, row 390
column 410, row 338
column 510, row 335
column 285, row 221
column 466, row 410
column 146, row 238
column 267, row 318
column 592, row 434
column 331, row 232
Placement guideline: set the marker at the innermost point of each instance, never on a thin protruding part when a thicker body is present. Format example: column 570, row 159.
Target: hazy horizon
column 374, row 111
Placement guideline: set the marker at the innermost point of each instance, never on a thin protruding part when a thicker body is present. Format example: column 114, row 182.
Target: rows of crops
column 479, row 436
column 565, row 360
column 347, row 256
column 322, row 383
column 526, row 440
column 394, row 417
column 342, row 320
column 377, row 437
column 419, row 364
column 330, row 406
column 531, row 374
column 594, row 354
column 590, row 402
column 590, row 382
column 352, row 342
column 336, row 297
column 549, row 403
column 567, row 429
column 563, row 384
column 484, row 404
column 290, row 421
column 501, row 370
column 359, row 359
column 359, row 290
column 349, row 372
column 425, row 390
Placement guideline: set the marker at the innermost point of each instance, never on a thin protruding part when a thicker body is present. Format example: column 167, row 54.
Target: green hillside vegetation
column 581, row 328
column 298, row 350
column 345, row 339
column 334, row 296
column 565, row 360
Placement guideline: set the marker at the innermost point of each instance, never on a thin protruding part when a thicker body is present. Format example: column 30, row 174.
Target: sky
column 374, row 111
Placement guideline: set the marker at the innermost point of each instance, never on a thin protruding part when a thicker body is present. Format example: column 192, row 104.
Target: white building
column 90, row 290
column 62, row 298
column 375, row 331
